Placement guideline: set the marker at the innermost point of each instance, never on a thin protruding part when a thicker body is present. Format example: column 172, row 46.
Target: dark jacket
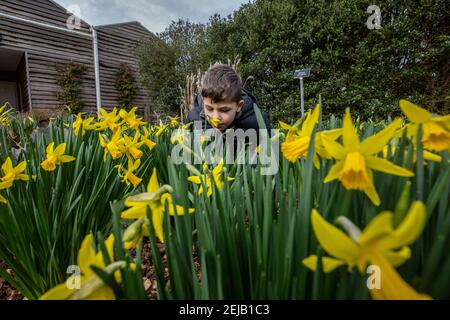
column 246, row 119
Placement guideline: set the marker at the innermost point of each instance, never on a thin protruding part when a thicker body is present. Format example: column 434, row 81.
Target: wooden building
column 38, row 36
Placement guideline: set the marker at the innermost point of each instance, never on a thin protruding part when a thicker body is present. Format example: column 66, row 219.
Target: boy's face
column 223, row 111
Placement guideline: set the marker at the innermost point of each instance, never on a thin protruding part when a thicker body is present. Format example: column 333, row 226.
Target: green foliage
column 157, row 62
column 126, row 87
column 45, row 220
column 70, row 80
column 368, row 70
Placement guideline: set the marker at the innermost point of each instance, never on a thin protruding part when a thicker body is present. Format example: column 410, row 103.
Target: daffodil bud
column 133, row 231
column 193, row 170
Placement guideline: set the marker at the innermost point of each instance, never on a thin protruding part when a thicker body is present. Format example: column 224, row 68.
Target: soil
column 7, row 292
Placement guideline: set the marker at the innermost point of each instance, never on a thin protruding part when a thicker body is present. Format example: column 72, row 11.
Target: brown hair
column 222, row 83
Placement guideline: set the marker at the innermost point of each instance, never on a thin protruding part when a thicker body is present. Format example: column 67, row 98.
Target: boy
column 224, row 104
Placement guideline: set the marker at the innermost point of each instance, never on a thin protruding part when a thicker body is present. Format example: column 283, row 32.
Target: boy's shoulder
column 246, row 119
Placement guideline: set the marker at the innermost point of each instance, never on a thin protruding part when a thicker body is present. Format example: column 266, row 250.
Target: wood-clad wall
column 44, row 11
column 116, row 46
column 23, row 85
column 47, row 48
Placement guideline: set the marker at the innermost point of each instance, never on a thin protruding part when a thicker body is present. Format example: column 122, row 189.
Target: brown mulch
column 150, row 283
column 7, row 292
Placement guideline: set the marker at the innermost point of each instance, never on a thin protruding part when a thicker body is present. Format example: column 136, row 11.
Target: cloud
column 156, row 15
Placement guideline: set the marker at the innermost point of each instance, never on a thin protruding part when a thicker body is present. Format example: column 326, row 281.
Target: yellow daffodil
column 131, row 146
column 160, row 129
column 146, row 140
column 379, row 245
column 285, row 126
column 155, row 198
column 298, row 141
column 85, row 125
column 214, row 121
column 108, row 120
column 436, row 130
column 128, row 176
column 131, row 119
column 113, row 146
column 174, row 122
column 56, row 157
column 91, row 286
column 217, row 177
column 12, row 173
column 356, row 160
column 4, row 115
column 179, row 136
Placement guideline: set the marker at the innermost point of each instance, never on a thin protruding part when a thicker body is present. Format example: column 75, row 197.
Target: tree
column 369, row 70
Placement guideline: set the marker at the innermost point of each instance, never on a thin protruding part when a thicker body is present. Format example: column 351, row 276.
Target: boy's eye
column 224, row 110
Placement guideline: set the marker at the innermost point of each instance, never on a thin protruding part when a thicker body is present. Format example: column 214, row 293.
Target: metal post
column 301, row 75
column 302, row 94
column 97, row 70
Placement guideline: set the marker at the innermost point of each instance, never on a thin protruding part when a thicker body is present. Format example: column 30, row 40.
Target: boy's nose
column 217, row 116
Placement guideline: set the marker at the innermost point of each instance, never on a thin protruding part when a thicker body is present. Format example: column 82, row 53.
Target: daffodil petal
column 285, row 126
column 377, row 142
column 431, row 156
column 135, row 212
column 21, row 167
column 7, row 165
column 398, row 258
column 50, row 147
column 414, row 113
column 383, row 165
column 380, row 226
column 393, row 287
column 60, row 292
column 195, row 179
column 104, row 293
column 334, row 172
column 311, row 121
column 86, row 256
column 66, row 159
column 328, row 264
column 336, row 150
column 333, row 240
column 295, row 148
column 371, row 192
column 153, row 184
column 351, row 140
column 109, row 244
column 158, row 223
column 59, row 151
column 410, row 229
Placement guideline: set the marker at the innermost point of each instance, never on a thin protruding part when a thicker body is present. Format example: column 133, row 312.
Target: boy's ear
column 240, row 105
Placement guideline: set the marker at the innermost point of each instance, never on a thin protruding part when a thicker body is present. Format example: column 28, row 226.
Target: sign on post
column 302, row 74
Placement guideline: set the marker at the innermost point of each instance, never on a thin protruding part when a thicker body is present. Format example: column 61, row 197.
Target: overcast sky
column 156, row 15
